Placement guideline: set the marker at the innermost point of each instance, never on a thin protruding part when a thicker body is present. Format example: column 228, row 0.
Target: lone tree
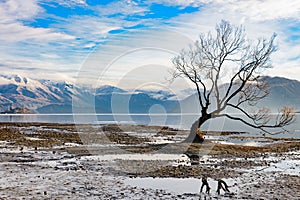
column 228, row 56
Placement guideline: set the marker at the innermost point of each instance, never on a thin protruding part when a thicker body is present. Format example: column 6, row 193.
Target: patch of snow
column 224, row 142
column 285, row 166
column 161, row 140
column 97, row 126
column 4, row 142
column 252, row 144
column 9, row 150
column 71, row 144
column 231, row 140
column 110, row 157
column 34, row 138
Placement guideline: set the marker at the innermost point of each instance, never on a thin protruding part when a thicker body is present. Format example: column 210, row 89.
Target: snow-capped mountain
column 108, row 89
column 158, row 94
column 47, row 96
column 18, row 91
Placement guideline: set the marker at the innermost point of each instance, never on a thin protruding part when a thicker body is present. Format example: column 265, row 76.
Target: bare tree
column 228, row 56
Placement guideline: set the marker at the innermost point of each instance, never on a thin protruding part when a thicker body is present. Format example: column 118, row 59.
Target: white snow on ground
column 291, row 167
column 110, row 157
column 10, row 150
column 161, row 140
column 285, row 164
column 34, row 129
column 231, row 140
column 250, row 143
column 288, row 163
column 2, row 143
column 33, row 138
column 71, row 144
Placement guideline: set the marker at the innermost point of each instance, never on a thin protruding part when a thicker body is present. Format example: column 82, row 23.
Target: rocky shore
column 65, row 161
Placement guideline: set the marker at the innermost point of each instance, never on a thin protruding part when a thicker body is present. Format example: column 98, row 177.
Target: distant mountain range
column 21, row 92
column 283, row 92
column 45, row 96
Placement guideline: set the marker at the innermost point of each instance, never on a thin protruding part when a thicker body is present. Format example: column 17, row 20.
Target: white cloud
column 286, row 61
column 68, row 3
column 256, row 10
column 26, row 49
column 95, row 29
column 37, row 68
column 261, row 19
column 12, row 29
column 51, row 56
column 127, row 58
column 90, row 45
column 128, row 7
column 16, row 32
column 12, row 10
column 90, row 28
column 181, row 3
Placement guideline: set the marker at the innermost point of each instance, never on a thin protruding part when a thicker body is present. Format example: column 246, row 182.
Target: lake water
column 141, row 119
column 172, row 120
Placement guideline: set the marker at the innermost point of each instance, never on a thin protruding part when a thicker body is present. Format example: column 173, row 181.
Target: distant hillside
column 283, row 92
column 117, row 100
column 17, row 91
column 45, row 96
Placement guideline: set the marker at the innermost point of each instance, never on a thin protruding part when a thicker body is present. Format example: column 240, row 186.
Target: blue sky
column 55, row 39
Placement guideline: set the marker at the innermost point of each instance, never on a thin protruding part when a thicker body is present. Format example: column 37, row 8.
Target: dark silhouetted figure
column 222, row 185
column 205, row 183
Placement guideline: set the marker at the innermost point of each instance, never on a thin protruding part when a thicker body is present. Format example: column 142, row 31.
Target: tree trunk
column 195, row 135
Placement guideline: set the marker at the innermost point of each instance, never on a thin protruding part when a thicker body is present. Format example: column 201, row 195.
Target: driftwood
column 205, row 183
column 222, row 185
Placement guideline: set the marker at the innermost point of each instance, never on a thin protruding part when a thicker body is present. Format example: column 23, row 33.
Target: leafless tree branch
column 205, row 62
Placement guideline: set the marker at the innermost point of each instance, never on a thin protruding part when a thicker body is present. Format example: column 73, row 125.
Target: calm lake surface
column 179, row 121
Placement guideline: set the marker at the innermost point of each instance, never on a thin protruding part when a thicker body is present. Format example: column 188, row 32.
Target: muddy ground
column 64, row 161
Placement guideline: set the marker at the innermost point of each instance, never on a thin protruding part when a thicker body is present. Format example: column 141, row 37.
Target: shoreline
column 121, row 162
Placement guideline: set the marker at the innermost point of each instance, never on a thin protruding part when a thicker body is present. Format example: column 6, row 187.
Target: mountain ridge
column 46, row 96
column 283, row 92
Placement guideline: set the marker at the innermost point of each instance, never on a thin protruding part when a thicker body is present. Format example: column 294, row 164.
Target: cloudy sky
column 102, row 39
